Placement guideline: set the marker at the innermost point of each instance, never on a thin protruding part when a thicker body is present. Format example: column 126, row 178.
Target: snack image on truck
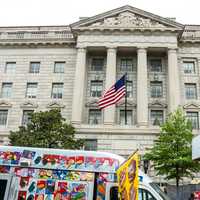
column 51, row 174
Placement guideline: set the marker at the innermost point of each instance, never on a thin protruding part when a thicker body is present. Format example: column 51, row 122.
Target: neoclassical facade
column 69, row 67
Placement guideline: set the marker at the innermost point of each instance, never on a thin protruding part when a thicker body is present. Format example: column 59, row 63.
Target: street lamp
column 145, row 165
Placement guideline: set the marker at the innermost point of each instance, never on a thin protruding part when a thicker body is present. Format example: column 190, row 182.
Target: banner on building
column 127, row 176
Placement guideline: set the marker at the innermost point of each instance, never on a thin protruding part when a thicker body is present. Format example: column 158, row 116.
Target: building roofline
column 129, row 8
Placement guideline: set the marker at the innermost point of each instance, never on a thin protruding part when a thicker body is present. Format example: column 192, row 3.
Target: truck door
column 4, row 186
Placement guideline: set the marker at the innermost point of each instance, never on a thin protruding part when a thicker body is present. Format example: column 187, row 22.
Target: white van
column 51, row 174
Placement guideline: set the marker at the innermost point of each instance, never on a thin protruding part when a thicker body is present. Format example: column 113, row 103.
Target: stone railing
column 191, row 33
column 39, row 35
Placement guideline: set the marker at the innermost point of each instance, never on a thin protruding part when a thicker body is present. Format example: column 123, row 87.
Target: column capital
column 172, row 50
column 111, row 48
column 82, row 49
column 141, row 49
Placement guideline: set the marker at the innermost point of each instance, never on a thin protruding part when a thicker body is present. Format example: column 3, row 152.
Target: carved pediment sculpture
column 128, row 19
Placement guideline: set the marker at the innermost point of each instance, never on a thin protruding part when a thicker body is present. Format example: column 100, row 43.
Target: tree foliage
column 172, row 151
column 46, row 129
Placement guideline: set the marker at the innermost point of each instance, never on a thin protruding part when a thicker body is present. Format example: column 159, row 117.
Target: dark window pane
column 96, row 88
column 189, row 67
column 59, row 67
column 34, row 67
column 156, row 89
column 57, row 91
column 97, row 64
column 156, row 65
column 129, row 115
column 126, row 64
column 26, row 117
column 157, row 117
column 194, row 118
column 3, row 117
column 90, row 145
column 31, row 90
column 94, row 116
column 6, row 90
column 129, row 88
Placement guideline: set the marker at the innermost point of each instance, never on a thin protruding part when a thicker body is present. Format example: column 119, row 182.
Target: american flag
column 114, row 94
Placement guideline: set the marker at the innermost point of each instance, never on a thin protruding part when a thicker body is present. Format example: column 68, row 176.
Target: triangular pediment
column 5, row 104
column 55, row 104
column 28, row 104
column 157, row 104
column 92, row 103
column 129, row 103
column 126, row 17
column 191, row 106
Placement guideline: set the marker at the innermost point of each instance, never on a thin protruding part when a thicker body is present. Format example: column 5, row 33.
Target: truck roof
column 60, row 159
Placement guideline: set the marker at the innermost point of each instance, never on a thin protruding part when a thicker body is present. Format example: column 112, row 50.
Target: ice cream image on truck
column 55, row 174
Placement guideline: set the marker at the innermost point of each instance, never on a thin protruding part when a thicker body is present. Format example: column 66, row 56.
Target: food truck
column 55, row 174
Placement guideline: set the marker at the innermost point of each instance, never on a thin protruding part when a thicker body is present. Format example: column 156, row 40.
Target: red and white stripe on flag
column 114, row 94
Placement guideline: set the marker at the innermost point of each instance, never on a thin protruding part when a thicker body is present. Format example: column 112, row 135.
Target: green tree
column 172, row 151
column 46, row 129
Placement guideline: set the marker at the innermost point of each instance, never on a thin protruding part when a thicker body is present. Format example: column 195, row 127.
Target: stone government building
column 69, row 67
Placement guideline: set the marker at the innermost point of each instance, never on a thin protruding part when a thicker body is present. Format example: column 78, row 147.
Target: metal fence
column 184, row 191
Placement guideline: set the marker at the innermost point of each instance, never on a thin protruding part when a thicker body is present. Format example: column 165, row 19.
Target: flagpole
column 125, row 111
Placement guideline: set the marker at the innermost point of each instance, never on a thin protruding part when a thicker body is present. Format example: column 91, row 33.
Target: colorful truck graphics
column 47, row 174
column 51, row 174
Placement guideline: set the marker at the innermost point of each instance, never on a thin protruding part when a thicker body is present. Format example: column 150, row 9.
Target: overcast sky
column 64, row 12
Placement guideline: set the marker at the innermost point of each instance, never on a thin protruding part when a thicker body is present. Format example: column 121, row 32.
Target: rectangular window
column 90, row 145
column 96, row 88
column 129, row 89
column 6, row 90
column 156, row 89
column 97, row 64
column 57, row 91
column 94, row 116
column 156, row 117
column 10, row 67
column 126, row 65
column 189, row 67
column 59, row 67
column 156, row 65
column 190, row 91
column 3, row 117
column 26, row 117
column 31, row 90
column 129, row 117
column 34, row 67
column 194, row 118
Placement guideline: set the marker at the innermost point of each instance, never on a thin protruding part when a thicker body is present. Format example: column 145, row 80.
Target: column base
column 142, row 124
column 108, row 123
column 75, row 122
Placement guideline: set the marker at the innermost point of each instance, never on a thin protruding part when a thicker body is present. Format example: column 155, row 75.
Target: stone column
column 173, row 81
column 109, row 112
column 79, row 86
column 142, row 94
